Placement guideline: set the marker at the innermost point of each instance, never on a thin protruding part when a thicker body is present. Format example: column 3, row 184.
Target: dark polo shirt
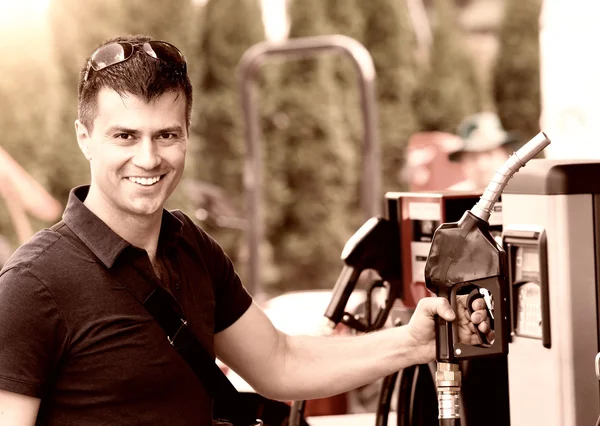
column 73, row 336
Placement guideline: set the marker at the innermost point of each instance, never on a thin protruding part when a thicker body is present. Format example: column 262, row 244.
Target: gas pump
column 466, row 259
column 552, row 239
column 395, row 249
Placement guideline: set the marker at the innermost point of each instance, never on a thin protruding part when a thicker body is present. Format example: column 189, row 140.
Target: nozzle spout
column 492, row 192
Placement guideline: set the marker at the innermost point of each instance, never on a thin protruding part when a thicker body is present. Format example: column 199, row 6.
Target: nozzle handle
column 481, row 293
column 342, row 290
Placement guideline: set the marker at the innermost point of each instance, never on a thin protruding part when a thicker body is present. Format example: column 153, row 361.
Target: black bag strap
column 160, row 304
column 163, row 308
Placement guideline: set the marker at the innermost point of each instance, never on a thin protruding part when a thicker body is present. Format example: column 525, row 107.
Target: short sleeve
column 232, row 299
column 30, row 332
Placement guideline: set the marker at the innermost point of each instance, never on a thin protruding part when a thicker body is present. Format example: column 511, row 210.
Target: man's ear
column 83, row 139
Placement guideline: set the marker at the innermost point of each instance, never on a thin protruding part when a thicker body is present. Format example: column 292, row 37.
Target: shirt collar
column 99, row 237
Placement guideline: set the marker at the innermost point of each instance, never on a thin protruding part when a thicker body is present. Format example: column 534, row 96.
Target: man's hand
column 422, row 324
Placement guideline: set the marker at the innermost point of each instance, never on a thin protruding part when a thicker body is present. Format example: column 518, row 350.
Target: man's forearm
column 316, row 367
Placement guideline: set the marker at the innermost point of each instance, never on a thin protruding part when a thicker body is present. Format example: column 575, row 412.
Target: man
column 485, row 147
column 76, row 348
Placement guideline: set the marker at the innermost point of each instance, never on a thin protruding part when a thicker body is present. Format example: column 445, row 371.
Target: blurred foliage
column 449, row 89
column 318, row 122
column 346, row 17
column 217, row 147
column 314, row 165
column 517, row 73
column 390, row 39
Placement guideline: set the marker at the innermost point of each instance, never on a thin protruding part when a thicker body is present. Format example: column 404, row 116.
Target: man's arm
column 303, row 367
column 18, row 410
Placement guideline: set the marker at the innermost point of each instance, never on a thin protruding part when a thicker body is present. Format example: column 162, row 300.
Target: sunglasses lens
column 110, row 54
column 164, row 51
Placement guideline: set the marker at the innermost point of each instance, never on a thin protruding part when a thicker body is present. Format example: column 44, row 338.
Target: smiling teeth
column 145, row 181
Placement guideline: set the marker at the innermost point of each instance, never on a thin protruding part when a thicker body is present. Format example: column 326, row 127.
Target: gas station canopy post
column 248, row 68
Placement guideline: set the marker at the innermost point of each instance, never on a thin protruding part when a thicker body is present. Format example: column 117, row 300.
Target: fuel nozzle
column 465, row 259
column 375, row 246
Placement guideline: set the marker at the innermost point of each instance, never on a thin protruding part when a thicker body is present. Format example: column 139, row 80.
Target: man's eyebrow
column 120, row 129
column 171, row 129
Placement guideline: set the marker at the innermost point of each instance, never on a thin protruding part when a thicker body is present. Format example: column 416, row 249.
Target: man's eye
column 124, row 136
column 168, row 136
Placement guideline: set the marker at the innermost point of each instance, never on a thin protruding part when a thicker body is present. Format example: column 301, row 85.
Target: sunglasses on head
column 117, row 52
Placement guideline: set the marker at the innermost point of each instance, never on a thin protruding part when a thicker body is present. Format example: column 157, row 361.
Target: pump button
column 597, row 365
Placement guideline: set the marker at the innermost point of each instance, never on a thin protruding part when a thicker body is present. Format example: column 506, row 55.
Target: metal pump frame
column 248, row 69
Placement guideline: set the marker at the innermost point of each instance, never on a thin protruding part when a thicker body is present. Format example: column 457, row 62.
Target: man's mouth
column 145, row 181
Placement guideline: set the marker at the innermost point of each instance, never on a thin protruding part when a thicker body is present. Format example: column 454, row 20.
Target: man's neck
column 140, row 231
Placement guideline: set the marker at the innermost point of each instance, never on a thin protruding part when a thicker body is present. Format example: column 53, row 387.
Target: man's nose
column 147, row 156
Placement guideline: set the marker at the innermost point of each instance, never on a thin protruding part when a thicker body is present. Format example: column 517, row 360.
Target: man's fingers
column 484, row 327
column 478, row 304
column 472, row 328
column 479, row 316
column 438, row 306
column 445, row 311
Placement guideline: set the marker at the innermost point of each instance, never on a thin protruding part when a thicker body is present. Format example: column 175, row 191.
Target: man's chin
column 145, row 208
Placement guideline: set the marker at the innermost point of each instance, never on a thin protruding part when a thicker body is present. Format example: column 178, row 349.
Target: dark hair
column 140, row 75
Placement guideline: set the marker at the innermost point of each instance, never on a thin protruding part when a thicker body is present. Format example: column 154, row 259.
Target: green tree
column 449, row 89
column 517, row 72
column 345, row 17
column 217, row 147
column 76, row 29
column 390, row 39
column 308, row 156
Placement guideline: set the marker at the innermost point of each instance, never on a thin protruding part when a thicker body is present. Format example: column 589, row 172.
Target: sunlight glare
column 15, row 13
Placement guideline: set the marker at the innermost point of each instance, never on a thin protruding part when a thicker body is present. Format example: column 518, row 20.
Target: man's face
column 480, row 167
column 136, row 151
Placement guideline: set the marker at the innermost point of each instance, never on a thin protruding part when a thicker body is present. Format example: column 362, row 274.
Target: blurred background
column 437, row 62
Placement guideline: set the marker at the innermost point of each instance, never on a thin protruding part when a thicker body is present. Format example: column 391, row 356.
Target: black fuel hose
column 417, row 397
column 385, row 399
column 404, row 410
column 449, row 422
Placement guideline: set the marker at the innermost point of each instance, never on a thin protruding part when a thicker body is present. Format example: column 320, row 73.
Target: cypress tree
column 345, row 17
column 449, row 89
column 517, row 72
column 308, row 158
column 390, row 39
column 217, row 148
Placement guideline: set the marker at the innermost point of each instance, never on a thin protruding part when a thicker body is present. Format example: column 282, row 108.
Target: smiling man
column 76, row 347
